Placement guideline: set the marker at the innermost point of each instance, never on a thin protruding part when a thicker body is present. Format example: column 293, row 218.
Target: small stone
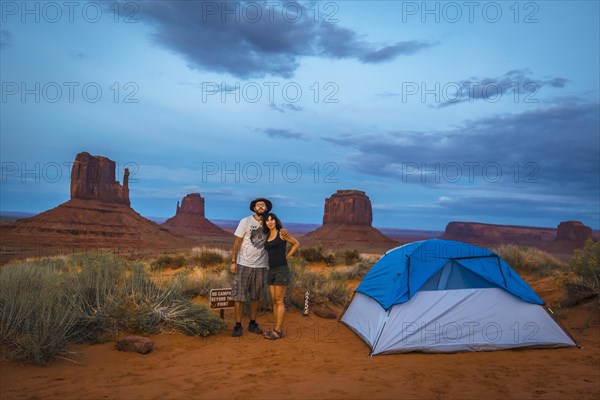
column 133, row 343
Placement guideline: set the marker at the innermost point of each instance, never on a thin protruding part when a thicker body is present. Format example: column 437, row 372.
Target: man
column 249, row 262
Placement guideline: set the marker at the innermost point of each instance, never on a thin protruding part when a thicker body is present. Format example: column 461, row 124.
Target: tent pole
column 551, row 314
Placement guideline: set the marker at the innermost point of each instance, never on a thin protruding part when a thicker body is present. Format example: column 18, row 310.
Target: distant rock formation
column 563, row 240
column 347, row 224
column 490, row 234
column 573, row 231
column 351, row 207
column 93, row 177
column 192, row 204
column 189, row 219
column 98, row 216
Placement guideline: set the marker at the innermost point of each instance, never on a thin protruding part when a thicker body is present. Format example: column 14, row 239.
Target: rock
column 98, row 216
column 133, row 343
column 192, row 204
column 573, row 231
column 324, row 312
column 347, row 224
column 490, row 234
column 351, row 207
column 93, row 177
column 189, row 219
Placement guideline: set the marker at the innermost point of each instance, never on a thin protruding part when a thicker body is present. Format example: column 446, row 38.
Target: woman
column 278, row 276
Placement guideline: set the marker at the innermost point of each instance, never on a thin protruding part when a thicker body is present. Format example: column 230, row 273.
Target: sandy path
column 319, row 359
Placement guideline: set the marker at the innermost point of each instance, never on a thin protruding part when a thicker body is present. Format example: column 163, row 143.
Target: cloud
column 255, row 39
column 515, row 83
column 284, row 134
column 547, row 150
column 284, row 107
column 391, row 52
column 516, row 207
column 78, row 55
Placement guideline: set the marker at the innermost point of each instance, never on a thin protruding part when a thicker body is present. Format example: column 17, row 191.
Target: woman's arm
column 285, row 235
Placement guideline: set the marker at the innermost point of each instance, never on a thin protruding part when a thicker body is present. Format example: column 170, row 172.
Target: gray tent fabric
column 454, row 320
column 446, row 296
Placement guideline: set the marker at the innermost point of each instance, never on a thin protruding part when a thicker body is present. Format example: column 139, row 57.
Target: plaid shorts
column 248, row 282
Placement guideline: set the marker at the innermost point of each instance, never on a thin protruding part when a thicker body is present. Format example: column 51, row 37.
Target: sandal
column 273, row 335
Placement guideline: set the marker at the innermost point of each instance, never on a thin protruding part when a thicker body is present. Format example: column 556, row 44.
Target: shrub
column 167, row 261
column 315, row 254
column 334, row 287
column 359, row 270
column 199, row 281
column 528, row 259
column 37, row 320
column 209, row 258
column 350, row 257
column 46, row 306
column 583, row 282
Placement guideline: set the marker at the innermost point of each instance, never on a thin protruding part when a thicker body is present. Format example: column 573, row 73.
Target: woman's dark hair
column 278, row 224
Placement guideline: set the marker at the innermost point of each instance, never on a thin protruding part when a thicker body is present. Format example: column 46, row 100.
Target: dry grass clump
column 204, row 258
column 316, row 254
column 529, row 259
column 37, row 320
column 332, row 288
column 47, row 304
column 199, row 281
column 583, row 280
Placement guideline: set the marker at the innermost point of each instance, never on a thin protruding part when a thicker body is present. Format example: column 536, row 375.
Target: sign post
column 220, row 299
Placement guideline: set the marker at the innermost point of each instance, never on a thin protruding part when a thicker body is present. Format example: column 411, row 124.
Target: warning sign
column 220, row 299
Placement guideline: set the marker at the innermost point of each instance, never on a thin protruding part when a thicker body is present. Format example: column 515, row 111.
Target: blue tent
column 440, row 295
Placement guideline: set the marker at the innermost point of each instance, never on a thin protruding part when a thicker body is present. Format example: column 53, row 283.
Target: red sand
column 319, row 359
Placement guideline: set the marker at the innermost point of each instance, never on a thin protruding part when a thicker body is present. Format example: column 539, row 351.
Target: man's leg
column 255, row 289
column 238, row 307
column 254, row 309
column 238, row 297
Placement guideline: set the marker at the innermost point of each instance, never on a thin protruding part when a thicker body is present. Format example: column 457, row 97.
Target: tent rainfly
column 446, row 296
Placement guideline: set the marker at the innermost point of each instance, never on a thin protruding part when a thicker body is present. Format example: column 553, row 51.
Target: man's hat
column 267, row 202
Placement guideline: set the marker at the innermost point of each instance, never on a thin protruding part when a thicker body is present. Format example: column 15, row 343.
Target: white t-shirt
column 252, row 252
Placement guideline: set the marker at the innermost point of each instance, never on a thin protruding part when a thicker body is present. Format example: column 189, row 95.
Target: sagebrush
column 46, row 305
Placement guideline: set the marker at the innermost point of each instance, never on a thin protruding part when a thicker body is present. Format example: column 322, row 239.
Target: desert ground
column 318, row 359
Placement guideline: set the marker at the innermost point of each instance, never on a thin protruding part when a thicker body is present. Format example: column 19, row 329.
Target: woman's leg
column 273, row 294
column 278, row 294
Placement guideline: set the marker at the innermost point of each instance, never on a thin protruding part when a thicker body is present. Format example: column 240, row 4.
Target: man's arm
column 234, row 253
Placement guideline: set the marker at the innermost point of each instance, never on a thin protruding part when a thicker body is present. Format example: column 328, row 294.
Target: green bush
column 44, row 306
column 583, row 282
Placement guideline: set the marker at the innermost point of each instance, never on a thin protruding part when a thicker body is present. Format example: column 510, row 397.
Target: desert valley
column 319, row 357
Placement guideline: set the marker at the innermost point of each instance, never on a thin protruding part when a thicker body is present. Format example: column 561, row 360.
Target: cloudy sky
column 439, row 111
